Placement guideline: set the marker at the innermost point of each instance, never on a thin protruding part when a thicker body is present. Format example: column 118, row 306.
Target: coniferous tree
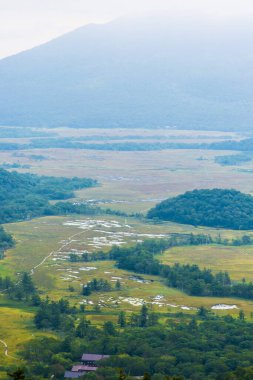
column 117, row 285
column 19, row 374
column 122, row 319
column 144, row 316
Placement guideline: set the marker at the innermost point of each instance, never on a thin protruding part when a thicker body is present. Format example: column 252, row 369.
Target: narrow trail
column 70, row 240
column 6, row 349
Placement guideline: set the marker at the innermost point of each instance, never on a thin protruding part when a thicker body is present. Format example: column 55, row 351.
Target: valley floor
column 131, row 183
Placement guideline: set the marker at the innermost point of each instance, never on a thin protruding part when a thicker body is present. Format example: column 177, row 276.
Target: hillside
column 151, row 71
column 23, row 196
column 213, row 208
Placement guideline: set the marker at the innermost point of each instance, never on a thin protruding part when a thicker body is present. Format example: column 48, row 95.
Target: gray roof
column 73, row 375
column 83, row 368
column 93, row 357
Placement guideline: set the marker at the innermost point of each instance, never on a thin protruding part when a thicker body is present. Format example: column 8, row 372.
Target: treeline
column 217, row 208
column 55, row 315
column 14, row 165
column 152, row 245
column 66, row 208
column 88, row 257
column 233, row 159
column 202, row 347
column 6, row 241
column 177, row 240
column 188, row 278
column 20, row 132
column 76, row 143
column 22, row 290
column 241, row 145
column 24, row 196
column 72, row 143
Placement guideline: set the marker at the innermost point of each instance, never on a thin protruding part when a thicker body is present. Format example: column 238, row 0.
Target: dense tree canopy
column 213, row 208
column 202, row 347
column 6, row 240
column 23, row 196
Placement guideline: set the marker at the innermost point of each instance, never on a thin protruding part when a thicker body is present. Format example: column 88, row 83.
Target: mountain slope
column 141, row 71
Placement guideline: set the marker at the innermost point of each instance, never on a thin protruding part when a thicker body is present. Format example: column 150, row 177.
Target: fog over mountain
column 141, row 71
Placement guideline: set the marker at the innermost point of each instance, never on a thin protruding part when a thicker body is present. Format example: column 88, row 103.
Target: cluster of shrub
column 98, row 285
column 22, row 290
column 88, row 257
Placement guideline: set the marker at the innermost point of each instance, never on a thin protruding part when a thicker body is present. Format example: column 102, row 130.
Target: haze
column 27, row 23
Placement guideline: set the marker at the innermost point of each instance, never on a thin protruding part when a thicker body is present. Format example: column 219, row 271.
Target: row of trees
column 188, row 278
column 161, row 244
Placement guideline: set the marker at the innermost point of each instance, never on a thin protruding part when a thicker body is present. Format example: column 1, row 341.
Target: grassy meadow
column 132, row 182
column 238, row 261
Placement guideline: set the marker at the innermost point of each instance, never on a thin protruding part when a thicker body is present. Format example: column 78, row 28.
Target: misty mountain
column 143, row 71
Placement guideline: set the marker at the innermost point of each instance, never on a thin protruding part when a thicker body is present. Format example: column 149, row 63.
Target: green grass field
column 56, row 237
column 238, row 261
column 132, row 183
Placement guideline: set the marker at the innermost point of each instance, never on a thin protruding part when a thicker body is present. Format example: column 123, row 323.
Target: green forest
column 212, row 208
column 25, row 196
column 204, row 347
column 197, row 347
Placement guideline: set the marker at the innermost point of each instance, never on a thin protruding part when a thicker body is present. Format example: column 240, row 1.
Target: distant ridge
column 143, row 71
